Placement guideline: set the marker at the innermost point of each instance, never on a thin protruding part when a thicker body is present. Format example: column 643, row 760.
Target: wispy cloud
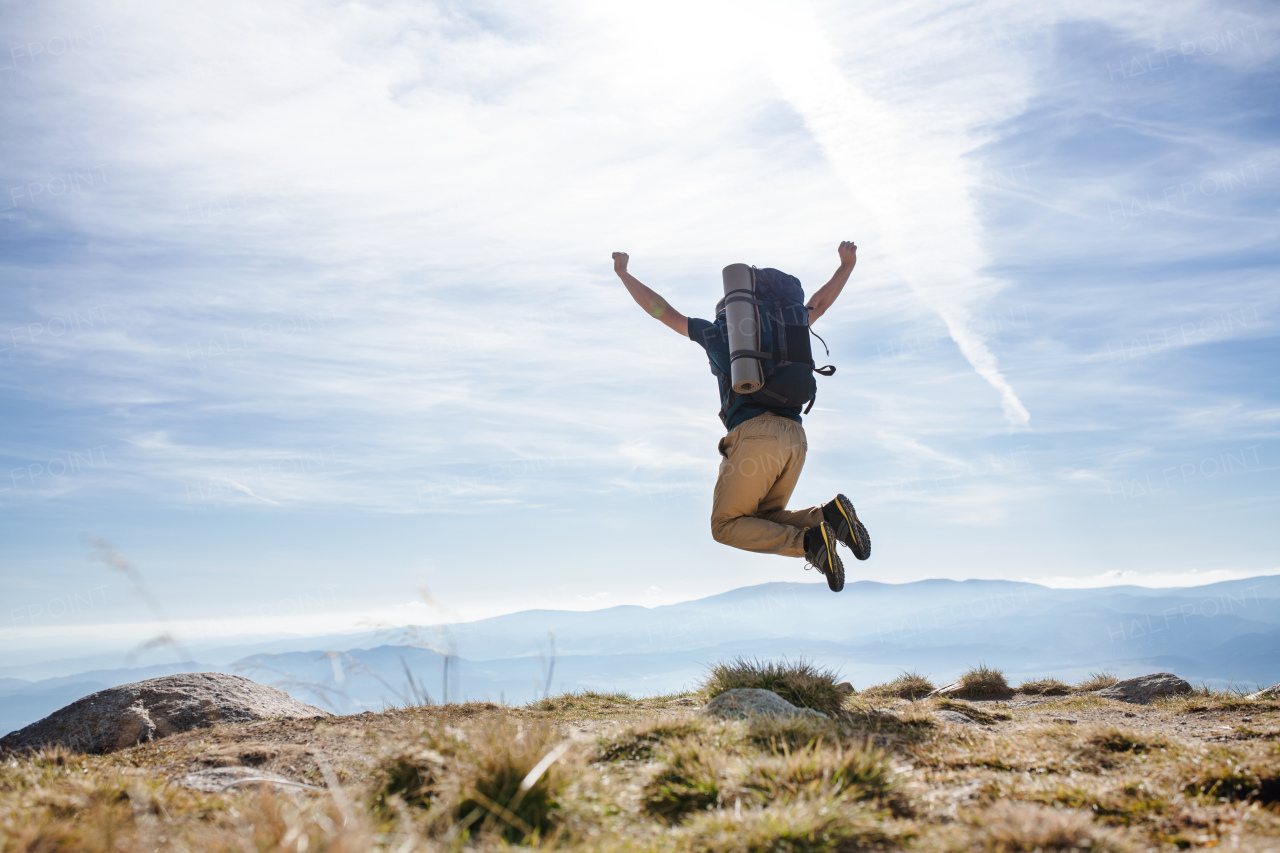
column 362, row 271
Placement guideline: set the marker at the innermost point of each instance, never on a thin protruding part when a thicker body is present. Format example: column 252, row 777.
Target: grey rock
column 743, row 702
column 226, row 778
column 1266, row 693
column 130, row 714
column 955, row 717
column 1144, row 688
column 846, row 687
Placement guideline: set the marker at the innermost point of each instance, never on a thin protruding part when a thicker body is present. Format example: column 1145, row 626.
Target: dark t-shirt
column 712, row 339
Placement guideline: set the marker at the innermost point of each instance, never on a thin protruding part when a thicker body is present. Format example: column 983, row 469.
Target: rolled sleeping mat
column 742, row 319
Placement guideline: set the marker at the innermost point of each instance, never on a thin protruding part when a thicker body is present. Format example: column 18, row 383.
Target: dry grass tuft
column 640, row 741
column 1045, row 687
column 412, row 774
column 690, row 781
column 983, row 682
column 1026, row 828
column 1115, row 739
column 483, row 782
column 582, row 701
column 1131, row 804
column 973, row 712
column 1202, row 700
column 800, row 682
column 1228, row 776
column 908, row 685
column 412, row 770
column 860, row 773
column 799, row 827
column 1097, row 680
column 502, row 788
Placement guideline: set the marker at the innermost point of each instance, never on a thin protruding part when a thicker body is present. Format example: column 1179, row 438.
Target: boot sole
column 860, row 543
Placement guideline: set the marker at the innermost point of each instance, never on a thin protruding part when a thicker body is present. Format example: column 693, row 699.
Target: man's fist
column 848, row 252
column 620, row 262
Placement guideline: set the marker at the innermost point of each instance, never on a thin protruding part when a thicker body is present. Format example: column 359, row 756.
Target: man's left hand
column 848, row 252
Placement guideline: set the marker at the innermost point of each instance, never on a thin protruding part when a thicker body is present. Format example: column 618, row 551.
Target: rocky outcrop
column 743, row 702
column 123, row 716
column 1144, row 688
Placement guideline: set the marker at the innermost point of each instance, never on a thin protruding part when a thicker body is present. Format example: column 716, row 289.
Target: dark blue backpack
column 785, row 354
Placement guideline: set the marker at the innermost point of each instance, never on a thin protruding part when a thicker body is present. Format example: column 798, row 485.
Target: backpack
column 785, row 355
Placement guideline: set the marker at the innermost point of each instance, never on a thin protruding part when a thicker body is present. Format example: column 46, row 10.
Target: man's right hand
column 620, row 262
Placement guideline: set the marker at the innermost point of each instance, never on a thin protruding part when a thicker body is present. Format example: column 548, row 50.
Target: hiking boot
column 844, row 521
column 820, row 551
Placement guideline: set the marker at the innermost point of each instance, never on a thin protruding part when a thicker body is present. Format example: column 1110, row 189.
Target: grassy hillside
column 1040, row 771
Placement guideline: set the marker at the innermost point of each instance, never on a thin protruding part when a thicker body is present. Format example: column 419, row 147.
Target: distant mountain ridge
column 1219, row 634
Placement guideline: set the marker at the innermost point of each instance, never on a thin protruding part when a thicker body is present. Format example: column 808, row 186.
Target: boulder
column 743, row 702
column 1144, row 688
column 1271, row 692
column 120, row 717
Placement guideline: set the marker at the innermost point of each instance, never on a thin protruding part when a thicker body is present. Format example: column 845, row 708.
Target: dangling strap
column 826, row 370
column 768, row 393
column 819, row 337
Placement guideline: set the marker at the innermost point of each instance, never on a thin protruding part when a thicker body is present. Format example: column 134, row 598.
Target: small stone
column 743, row 702
column 845, row 687
column 955, row 717
column 1130, row 714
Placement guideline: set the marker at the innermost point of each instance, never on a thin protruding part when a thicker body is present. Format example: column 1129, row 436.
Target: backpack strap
column 780, row 336
column 749, row 297
column 749, row 353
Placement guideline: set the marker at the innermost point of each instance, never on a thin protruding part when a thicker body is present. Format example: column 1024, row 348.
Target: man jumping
column 763, row 453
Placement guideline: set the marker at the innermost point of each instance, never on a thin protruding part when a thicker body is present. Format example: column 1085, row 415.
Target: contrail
column 918, row 187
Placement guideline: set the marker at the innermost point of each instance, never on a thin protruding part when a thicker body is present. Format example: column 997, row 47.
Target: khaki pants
column 762, row 462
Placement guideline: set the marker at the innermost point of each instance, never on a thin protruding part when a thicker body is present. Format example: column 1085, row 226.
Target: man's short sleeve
column 701, row 332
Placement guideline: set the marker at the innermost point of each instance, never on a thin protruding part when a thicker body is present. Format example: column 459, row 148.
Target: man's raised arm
column 651, row 302
column 827, row 294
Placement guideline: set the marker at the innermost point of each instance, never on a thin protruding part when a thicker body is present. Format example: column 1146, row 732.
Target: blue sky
column 308, row 306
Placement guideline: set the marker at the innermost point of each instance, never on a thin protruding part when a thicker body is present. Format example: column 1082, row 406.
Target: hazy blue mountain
column 1218, row 634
